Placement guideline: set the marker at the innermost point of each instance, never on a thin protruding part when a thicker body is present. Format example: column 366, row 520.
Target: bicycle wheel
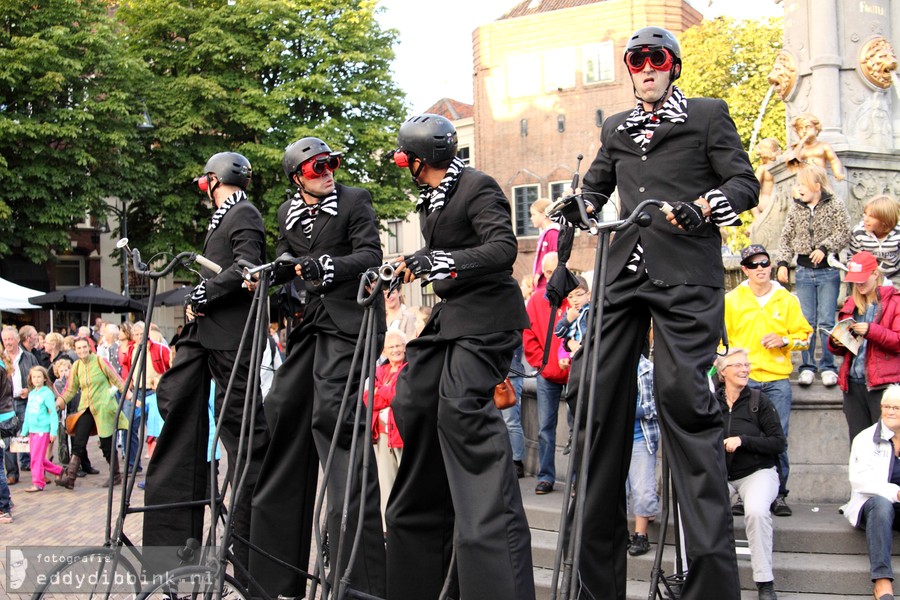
column 195, row 583
column 90, row 573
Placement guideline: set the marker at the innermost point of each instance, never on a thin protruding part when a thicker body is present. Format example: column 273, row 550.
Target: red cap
column 860, row 267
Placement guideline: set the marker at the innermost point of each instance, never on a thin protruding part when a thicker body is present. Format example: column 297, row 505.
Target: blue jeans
column 548, row 395
column 879, row 519
column 5, row 503
column 817, row 290
column 640, row 487
column 512, row 416
column 779, row 393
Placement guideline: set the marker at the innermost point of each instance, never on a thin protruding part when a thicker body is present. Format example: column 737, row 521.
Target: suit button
column 641, row 189
column 321, row 295
column 643, row 158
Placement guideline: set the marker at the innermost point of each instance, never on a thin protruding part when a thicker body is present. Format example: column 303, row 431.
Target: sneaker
column 520, row 469
column 640, row 544
column 806, row 378
column 766, row 590
column 780, row 508
column 568, row 447
column 5, row 518
column 737, row 509
column 543, row 487
column 829, row 378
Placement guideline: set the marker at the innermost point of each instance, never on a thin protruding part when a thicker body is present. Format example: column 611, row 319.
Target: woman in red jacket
column 865, row 374
column 388, row 444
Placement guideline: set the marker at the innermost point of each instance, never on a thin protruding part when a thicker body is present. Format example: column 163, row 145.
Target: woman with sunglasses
column 875, row 326
column 332, row 231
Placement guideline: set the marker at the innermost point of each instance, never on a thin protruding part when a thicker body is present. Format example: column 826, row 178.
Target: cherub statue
column 768, row 150
column 809, row 149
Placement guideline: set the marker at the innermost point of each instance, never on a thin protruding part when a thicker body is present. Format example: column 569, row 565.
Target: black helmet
column 431, row 138
column 301, row 151
column 656, row 37
column 231, row 168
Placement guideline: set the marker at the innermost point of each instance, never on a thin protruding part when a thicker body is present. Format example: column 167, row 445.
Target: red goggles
column 401, row 159
column 659, row 58
column 316, row 167
column 203, row 182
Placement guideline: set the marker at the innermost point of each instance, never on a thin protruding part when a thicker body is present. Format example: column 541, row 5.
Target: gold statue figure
column 809, row 149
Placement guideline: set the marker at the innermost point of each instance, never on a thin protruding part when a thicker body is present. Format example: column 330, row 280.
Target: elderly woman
column 54, row 346
column 97, row 381
column 388, row 444
column 874, row 503
column 753, row 441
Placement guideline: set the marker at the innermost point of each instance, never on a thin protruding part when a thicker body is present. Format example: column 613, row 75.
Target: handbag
column 10, row 427
column 72, row 420
column 20, row 445
column 504, row 394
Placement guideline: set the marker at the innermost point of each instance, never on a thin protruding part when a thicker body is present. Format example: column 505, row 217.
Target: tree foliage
column 67, row 122
column 250, row 76
column 729, row 59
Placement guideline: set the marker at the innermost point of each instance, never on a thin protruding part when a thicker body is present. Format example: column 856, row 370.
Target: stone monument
column 838, row 63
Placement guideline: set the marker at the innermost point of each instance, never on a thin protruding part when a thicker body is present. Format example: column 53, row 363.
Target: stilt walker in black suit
column 332, row 229
column 208, row 349
column 456, row 484
column 686, row 152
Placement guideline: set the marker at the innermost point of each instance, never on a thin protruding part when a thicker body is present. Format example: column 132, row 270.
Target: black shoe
column 543, row 487
column 568, row 447
column 91, row 471
column 780, row 508
column 520, row 468
column 640, row 544
column 737, row 509
column 80, row 473
column 766, row 590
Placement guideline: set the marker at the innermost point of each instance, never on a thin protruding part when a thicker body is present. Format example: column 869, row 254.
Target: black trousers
column 302, row 411
column 179, row 469
column 862, row 406
column 83, row 429
column 456, row 482
column 687, row 325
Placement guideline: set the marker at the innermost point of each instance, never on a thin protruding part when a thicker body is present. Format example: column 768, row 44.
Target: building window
column 522, row 78
column 523, row 127
column 463, row 153
column 523, row 197
column 69, row 272
column 560, row 65
column 598, row 117
column 598, row 62
column 558, row 189
column 429, row 298
column 393, row 238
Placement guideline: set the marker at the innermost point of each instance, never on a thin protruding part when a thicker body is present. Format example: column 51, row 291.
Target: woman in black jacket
column 753, row 441
column 7, row 413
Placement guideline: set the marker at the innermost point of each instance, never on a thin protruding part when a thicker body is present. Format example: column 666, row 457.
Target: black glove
column 688, row 215
column 420, row 263
column 310, row 269
column 572, row 214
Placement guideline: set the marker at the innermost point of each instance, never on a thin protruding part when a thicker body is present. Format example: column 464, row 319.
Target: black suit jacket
column 239, row 235
column 351, row 239
column 682, row 162
column 474, row 225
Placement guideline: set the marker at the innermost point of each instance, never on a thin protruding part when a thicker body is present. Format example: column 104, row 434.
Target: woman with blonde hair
column 817, row 224
column 864, row 374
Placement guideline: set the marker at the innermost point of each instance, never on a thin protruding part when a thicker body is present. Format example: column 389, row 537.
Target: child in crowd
column 879, row 233
column 61, row 369
column 640, row 487
column 40, row 426
column 571, row 326
column 817, row 224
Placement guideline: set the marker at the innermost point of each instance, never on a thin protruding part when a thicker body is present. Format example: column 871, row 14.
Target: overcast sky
column 434, row 56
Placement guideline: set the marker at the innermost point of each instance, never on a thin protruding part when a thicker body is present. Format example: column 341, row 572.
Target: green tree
column 729, row 59
column 67, row 119
column 252, row 77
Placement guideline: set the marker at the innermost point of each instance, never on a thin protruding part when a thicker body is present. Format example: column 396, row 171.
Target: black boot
column 114, row 469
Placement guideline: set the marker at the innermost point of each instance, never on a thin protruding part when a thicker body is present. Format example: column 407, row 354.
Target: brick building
column 546, row 74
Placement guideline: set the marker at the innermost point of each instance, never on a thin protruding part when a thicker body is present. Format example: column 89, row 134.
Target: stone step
column 639, row 590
